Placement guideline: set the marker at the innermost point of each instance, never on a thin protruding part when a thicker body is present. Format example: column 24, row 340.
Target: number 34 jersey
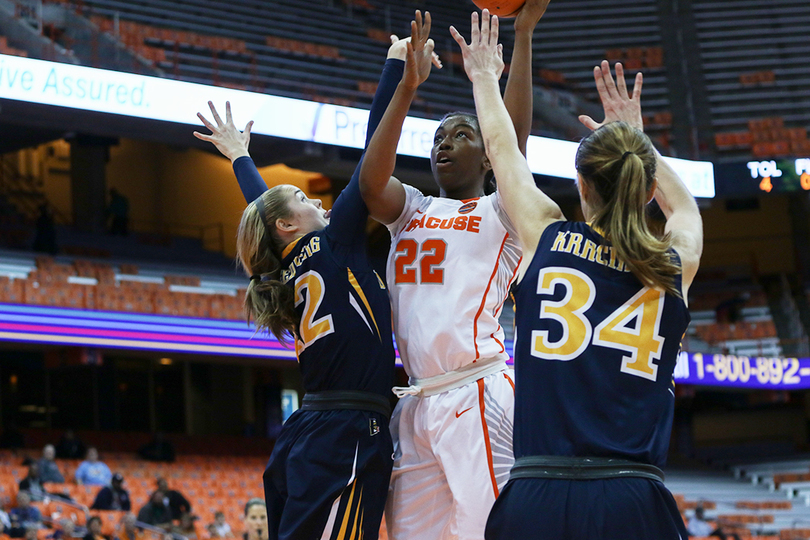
column 594, row 354
column 449, row 271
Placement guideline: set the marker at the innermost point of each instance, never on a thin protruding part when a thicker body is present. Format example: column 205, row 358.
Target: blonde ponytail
column 619, row 161
column 268, row 301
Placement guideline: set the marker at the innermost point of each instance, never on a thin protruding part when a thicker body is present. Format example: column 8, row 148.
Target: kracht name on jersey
column 568, row 242
column 459, row 223
column 314, row 246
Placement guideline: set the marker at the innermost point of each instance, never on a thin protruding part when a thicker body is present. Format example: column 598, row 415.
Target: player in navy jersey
column 310, row 279
column 600, row 313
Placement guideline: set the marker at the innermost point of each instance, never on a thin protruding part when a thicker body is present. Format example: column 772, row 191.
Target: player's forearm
column 518, row 97
column 496, row 126
column 671, row 194
column 250, row 181
column 382, row 149
column 390, row 77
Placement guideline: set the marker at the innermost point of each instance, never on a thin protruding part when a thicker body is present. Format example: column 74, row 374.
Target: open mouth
column 328, row 213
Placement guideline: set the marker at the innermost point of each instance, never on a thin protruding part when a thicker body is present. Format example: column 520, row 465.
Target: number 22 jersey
column 594, row 353
column 449, row 271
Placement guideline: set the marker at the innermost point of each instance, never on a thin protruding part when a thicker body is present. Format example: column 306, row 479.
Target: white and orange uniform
column 449, row 271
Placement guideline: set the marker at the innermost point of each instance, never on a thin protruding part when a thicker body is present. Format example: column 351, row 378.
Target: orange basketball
column 501, row 8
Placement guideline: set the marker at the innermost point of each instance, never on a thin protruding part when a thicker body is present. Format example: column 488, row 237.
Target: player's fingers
column 214, row 112
column 475, row 33
column 203, row 136
column 494, row 29
column 426, row 26
column 228, row 115
column 437, row 61
column 637, row 86
column 429, row 47
column 589, row 122
column 419, row 23
column 610, row 86
column 600, row 84
column 394, row 39
column 415, row 43
column 248, row 127
column 206, row 123
column 500, row 51
column 458, row 37
column 621, row 84
column 485, row 30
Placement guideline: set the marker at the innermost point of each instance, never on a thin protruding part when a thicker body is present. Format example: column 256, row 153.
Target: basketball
column 501, row 8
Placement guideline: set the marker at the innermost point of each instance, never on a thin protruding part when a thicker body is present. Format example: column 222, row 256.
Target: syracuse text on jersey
column 459, row 223
column 568, row 242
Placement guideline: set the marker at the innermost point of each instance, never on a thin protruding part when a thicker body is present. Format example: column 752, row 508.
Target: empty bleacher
column 731, row 318
column 750, row 510
column 753, row 58
column 84, row 284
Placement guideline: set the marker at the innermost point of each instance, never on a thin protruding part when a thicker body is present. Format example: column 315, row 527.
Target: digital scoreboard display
column 756, row 177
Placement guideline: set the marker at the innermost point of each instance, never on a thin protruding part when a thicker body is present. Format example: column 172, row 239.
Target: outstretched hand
column 484, row 55
column 419, row 52
column 617, row 103
column 399, row 50
column 225, row 136
column 530, row 14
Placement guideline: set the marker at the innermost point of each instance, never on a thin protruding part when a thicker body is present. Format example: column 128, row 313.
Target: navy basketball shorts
column 328, row 476
column 604, row 509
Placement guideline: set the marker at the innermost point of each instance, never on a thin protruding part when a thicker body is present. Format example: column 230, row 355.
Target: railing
column 68, row 502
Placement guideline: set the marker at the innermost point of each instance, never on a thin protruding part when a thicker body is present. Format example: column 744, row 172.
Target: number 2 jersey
column 344, row 337
column 449, row 271
column 594, row 353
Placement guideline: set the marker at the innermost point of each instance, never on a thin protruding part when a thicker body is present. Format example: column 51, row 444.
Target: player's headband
column 259, row 202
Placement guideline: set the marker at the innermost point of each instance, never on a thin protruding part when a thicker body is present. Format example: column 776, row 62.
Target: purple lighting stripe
column 146, row 345
column 148, row 336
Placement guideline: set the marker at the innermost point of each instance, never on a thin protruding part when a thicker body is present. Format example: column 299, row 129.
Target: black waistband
column 582, row 468
column 351, row 400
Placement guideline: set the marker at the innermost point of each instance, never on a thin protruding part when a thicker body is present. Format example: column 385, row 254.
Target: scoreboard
column 757, row 177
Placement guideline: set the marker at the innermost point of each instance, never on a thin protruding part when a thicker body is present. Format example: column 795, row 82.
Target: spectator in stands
column 156, row 512
column 255, row 520
column 24, row 516
column 66, row 529
column 220, row 528
column 128, row 529
column 93, row 472
column 113, row 497
column 33, row 483
column 5, row 522
column 119, row 211
column 698, row 526
column 70, row 446
column 175, row 500
column 158, row 449
column 94, row 529
column 48, row 469
column 186, row 526
column 45, row 235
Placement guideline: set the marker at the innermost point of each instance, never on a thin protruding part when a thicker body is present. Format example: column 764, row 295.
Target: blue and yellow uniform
column 594, row 355
column 329, row 471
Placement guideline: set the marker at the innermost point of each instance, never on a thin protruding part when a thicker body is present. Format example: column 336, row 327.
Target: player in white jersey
column 452, row 261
